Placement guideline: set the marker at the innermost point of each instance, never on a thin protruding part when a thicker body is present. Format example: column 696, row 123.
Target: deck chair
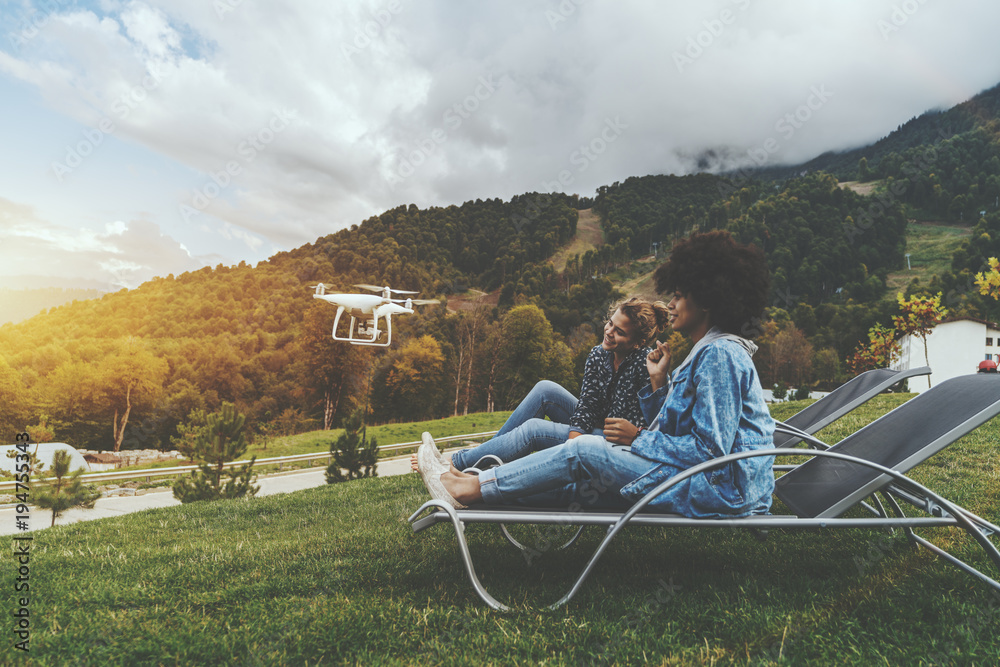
column 845, row 398
column 833, row 480
column 852, row 394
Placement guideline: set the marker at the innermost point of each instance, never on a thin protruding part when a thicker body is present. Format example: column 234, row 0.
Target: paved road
column 118, row 505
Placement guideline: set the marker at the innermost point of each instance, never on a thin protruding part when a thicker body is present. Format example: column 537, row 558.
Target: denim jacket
column 714, row 406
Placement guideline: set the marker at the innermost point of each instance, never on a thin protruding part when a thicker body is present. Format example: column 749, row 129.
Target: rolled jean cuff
column 488, row 487
column 456, row 459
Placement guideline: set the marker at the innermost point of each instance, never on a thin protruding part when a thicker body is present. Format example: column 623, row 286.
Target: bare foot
column 462, row 487
column 415, row 467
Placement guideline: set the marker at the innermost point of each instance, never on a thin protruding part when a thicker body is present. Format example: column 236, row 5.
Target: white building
column 954, row 347
column 44, row 451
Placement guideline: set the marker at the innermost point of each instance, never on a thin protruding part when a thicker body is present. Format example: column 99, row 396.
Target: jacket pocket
column 714, row 492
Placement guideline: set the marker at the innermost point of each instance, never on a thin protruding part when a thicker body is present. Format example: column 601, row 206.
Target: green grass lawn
column 930, row 246
column 334, row 575
column 387, row 434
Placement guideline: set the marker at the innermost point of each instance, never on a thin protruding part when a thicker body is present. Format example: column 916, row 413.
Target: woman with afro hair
column 710, row 406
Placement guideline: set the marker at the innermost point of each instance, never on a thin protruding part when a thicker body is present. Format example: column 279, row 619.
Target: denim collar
column 713, row 335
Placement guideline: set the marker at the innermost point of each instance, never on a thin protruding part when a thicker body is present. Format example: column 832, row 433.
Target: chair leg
column 526, row 550
column 910, row 535
column 612, row 531
column 463, row 549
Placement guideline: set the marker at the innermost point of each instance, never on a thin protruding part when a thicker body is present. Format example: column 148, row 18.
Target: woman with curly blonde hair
column 608, row 405
column 711, row 405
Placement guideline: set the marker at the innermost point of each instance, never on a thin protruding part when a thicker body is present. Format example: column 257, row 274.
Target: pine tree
column 353, row 452
column 66, row 491
column 864, row 171
column 221, row 439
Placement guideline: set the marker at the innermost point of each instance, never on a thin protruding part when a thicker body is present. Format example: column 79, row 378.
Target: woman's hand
column 657, row 363
column 620, row 431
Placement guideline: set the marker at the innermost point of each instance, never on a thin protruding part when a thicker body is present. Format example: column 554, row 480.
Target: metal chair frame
column 891, row 484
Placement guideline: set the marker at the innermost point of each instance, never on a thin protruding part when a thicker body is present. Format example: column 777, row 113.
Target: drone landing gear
column 372, row 335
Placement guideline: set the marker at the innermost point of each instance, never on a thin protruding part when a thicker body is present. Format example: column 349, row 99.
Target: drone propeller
column 376, row 288
column 416, row 302
column 319, row 287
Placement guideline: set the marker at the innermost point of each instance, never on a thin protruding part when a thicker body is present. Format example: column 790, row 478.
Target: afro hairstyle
column 729, row 279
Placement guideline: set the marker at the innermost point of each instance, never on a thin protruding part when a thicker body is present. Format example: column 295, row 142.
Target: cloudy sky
column 149, row 137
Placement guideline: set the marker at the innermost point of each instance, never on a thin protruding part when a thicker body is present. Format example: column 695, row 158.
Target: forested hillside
column 124, row 370
column 20, row 304
column 943, row 167
column 925, row 130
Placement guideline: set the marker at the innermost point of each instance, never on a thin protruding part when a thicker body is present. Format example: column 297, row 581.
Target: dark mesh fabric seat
column 908, row 435
column 843, row 399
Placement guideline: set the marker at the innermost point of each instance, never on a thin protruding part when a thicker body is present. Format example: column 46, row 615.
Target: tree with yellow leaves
column 918, row 317
column 989, row 282
column 879, row 352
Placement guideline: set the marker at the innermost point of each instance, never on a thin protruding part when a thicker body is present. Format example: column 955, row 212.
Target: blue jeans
column 586, row 472
column 546, row 399
column 526, row 430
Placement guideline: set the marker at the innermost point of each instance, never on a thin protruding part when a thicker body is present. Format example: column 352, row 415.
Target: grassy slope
column 334, row 575
column 588, row 236
column 641, row 285
column 931, row 247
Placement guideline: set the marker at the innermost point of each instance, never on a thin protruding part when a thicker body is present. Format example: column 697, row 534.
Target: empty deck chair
column 848, row 396
column 852, row 394
column 873, row 459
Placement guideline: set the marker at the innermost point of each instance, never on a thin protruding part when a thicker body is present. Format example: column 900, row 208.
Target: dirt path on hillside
column 864, row 189
column 469, row 299
column 642, row 285
column 588, row 236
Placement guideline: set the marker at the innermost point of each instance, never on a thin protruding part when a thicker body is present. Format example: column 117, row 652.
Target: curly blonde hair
column 648, row 317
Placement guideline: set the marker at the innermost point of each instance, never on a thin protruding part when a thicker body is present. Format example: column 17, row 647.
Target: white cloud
column 439, row 102
column 124, row 254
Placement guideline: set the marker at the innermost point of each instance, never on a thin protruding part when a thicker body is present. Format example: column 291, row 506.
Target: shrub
column 352, row 452
column 220, row 439
column 780, row 391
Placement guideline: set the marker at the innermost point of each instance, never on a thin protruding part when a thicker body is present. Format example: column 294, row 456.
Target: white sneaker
column 431, row 471
column 426, row 437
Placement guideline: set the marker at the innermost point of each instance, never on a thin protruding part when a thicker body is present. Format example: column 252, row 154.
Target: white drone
column 366, row 310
